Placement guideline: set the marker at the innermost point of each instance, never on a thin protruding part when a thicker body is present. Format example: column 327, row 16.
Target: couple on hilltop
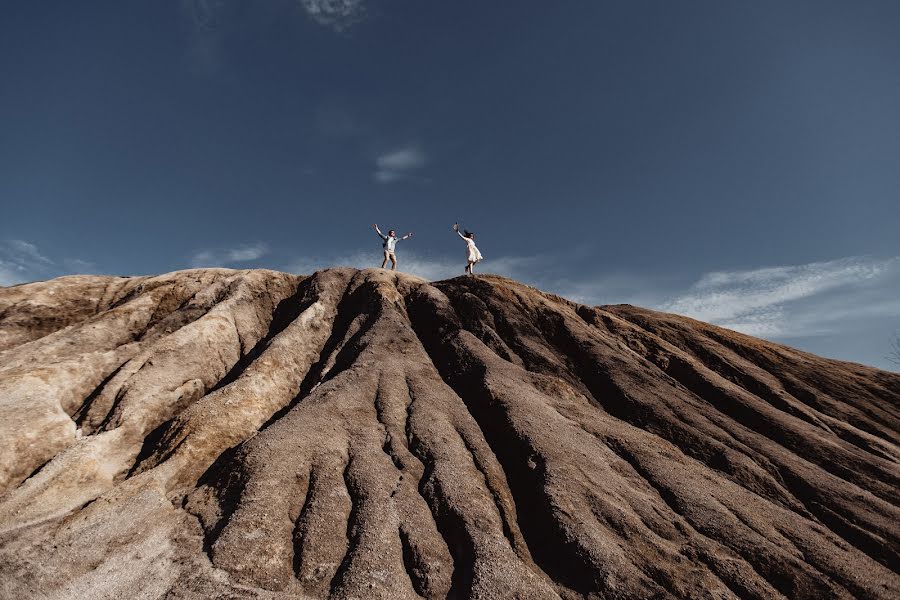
column 390, row 242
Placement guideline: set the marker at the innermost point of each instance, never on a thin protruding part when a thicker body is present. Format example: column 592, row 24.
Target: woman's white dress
column 472, row 253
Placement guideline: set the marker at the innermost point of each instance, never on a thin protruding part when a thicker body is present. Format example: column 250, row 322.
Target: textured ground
column 360, row 434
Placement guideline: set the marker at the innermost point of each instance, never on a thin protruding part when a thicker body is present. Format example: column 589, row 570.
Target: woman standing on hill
column 472, row 254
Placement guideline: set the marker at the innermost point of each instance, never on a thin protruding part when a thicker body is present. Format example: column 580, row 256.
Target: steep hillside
column 362, row 434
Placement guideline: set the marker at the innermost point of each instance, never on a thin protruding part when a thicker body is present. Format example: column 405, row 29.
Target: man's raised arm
column 378, row 231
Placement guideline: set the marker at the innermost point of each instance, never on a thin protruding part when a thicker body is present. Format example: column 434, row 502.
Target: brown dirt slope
column 361, row 434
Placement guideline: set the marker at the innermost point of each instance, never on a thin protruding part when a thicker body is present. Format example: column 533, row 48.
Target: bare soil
column 363, row 434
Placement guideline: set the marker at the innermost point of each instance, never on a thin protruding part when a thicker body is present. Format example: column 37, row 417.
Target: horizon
column 734, row 164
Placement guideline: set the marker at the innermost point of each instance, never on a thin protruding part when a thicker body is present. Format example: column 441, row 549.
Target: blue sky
column 734, row 161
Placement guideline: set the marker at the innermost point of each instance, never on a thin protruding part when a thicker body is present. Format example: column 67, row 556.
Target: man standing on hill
column 390, row 242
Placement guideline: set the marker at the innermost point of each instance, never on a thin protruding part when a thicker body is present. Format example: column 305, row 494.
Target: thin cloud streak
column 22, row 261
column 28, row 252
column 229, row 256
column 793, row 300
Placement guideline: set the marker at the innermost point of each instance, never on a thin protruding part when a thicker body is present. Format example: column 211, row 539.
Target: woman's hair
column 468, row 233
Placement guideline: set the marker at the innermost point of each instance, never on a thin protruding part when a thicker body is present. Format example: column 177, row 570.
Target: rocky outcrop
column 365, row 434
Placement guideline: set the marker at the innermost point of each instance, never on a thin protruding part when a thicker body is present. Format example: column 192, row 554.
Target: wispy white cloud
column 793, row 300
column 339, row 15
column 22, row 261
column 27, row 252
column 204, row 258
column 399, row 164
column 229, row 256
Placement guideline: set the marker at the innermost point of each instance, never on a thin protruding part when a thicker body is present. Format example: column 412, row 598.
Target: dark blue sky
column 736, row 161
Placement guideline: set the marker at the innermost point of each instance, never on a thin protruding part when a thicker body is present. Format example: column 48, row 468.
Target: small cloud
column 245, row 253
column 228, row 256
column 203, row 258
column 401, row 160
column 399, row 164
column 339, row 15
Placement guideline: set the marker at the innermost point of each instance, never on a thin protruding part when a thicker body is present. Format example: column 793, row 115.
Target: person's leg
column 393, row 262
column 384, row 262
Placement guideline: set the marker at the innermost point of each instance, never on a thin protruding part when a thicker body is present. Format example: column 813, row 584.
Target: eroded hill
column 361, row 434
